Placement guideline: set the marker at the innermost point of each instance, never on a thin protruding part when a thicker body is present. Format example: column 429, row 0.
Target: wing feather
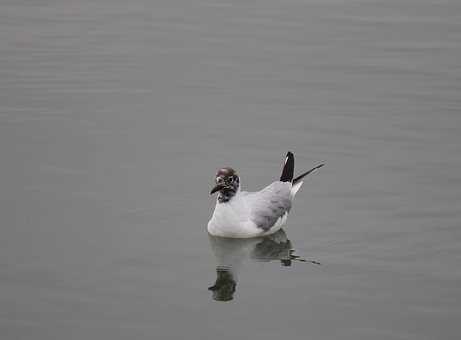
column 270, row 204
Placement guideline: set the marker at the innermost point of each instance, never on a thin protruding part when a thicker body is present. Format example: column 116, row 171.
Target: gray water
column 115, row 115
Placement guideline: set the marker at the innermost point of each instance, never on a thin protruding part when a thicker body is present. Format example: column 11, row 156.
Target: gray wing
column 269, row 204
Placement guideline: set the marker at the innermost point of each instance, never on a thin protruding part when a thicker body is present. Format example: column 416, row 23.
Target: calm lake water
column 115, row 115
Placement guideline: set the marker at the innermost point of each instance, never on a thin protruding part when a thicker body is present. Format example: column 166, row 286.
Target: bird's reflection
column 230, row 254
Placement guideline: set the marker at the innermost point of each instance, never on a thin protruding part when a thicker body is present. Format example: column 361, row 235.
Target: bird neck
column 227, row 194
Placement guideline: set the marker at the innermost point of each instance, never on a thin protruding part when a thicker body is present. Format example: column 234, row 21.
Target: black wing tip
column 288, row 168
column 300, row 177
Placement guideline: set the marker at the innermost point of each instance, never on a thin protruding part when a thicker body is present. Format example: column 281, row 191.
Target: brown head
column 227, row 184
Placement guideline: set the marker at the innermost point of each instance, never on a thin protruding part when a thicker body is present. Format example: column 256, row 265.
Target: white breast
column 231, row 219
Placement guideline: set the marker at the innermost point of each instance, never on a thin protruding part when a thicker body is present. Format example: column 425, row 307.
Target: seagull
column 243, row 214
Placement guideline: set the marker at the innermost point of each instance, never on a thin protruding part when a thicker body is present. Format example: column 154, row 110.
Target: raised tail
column 288, row 168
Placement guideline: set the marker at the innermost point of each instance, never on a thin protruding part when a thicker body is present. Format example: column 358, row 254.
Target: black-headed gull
column 242, row 214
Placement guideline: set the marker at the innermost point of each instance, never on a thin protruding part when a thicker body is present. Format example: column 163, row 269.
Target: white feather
column 295, row 188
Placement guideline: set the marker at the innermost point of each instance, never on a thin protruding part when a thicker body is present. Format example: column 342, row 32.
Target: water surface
column 115, row 115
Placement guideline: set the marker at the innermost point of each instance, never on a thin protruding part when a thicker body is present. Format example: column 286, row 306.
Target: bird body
column 250, row 214
column 242, row 214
